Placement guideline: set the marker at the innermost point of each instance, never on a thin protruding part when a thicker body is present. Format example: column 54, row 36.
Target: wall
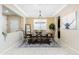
column 22, row 23
column 19, row 12
column 2, row 21
column 13, row 23
column 49, row 21
column 70, row 37
column 30, row 21
column 12, row 38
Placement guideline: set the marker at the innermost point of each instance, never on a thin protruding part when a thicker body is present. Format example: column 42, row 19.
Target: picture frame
column 69, row 21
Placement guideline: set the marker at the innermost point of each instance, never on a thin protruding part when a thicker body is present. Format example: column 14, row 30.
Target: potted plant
column 52, row 28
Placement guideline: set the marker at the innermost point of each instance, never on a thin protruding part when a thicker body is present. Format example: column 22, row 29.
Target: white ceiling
column 47, row 10
column 7, row 11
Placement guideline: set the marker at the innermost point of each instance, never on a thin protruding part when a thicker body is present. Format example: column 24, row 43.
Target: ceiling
column 7, row 11
column 47, row 10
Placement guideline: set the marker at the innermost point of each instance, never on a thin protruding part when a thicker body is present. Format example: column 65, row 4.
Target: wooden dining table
column 39, row 38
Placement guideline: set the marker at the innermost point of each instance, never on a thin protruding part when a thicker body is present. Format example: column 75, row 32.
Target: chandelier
column 40, row 16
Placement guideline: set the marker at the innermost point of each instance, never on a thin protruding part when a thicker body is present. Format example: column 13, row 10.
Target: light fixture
column 40, row 16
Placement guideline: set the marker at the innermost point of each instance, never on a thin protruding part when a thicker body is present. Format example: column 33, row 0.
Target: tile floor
column 39, row 51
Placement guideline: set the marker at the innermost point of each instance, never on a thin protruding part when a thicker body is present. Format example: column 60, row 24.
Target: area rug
column 25, row 45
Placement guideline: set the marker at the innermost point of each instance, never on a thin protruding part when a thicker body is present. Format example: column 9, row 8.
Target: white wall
column 71, row 37
column 2, row 21
column 5, row 23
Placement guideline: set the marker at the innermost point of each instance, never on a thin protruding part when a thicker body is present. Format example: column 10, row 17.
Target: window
column 40, row 24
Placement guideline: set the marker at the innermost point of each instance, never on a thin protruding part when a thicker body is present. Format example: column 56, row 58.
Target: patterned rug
column 52, row 44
